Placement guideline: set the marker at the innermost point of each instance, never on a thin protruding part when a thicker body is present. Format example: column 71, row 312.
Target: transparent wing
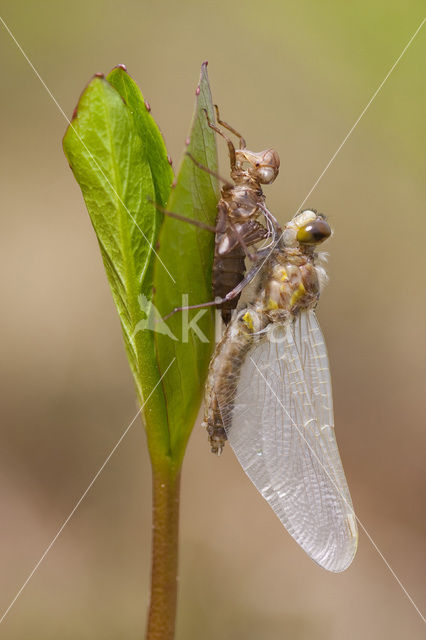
column 316, row 371
column 281, row 429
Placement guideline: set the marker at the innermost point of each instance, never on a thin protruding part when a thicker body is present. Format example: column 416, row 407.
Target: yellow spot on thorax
column 299, row 293
column 272, row 304
column 284, row 275
column 248, row 320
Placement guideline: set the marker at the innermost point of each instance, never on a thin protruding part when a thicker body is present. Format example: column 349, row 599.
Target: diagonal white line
column 342, row 496
column 82, row 142
column 78, row 503
column 345, row 139
column 363, row 112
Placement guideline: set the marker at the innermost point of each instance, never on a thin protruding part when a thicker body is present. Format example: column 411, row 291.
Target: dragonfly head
column 263, row 166
column 307, row 228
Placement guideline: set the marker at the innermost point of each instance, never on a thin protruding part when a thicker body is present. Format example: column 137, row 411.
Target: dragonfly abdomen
column 228, row 272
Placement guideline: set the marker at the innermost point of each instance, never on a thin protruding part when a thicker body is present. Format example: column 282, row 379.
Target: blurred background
column 295, row 76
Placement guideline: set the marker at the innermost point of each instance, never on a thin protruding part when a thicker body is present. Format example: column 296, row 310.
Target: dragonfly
column 269, row 395
column 238, row 228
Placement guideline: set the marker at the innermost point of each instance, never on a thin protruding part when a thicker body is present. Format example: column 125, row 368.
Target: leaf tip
column 75, row 112
column 121, row 66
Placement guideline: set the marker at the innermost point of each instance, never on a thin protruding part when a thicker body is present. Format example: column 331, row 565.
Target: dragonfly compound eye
column 314, row 232
column 268, row 167
column 266, row 174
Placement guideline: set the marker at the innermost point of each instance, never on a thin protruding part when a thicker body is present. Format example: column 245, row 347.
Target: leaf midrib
column 127, row 253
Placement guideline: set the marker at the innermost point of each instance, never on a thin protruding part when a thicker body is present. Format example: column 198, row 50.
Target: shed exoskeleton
column 238, row 228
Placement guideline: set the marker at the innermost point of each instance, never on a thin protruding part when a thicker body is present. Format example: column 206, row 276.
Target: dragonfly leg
column 231, row 129
column 226, row 182
column 219, row 301
column 202, row 305
column 177, row 216
column 229, row 142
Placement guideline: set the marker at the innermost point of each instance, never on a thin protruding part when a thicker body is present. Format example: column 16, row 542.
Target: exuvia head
column 307, row 228
column 263, row 166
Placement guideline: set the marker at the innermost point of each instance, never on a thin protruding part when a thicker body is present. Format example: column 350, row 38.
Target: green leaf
column 120, row 161
column 155, row 149
column 187, row 252
column 105, row 146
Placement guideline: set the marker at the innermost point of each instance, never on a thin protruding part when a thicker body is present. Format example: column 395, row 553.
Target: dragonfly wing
column 281, row 430
column 316, row 371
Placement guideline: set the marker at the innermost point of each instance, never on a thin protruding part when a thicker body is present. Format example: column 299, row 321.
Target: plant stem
column 165, row 529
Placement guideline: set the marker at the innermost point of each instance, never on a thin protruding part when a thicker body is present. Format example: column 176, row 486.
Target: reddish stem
column 165, row 528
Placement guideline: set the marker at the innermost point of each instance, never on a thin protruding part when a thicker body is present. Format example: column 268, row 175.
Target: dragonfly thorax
column 291, row 287
column 244, row 200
